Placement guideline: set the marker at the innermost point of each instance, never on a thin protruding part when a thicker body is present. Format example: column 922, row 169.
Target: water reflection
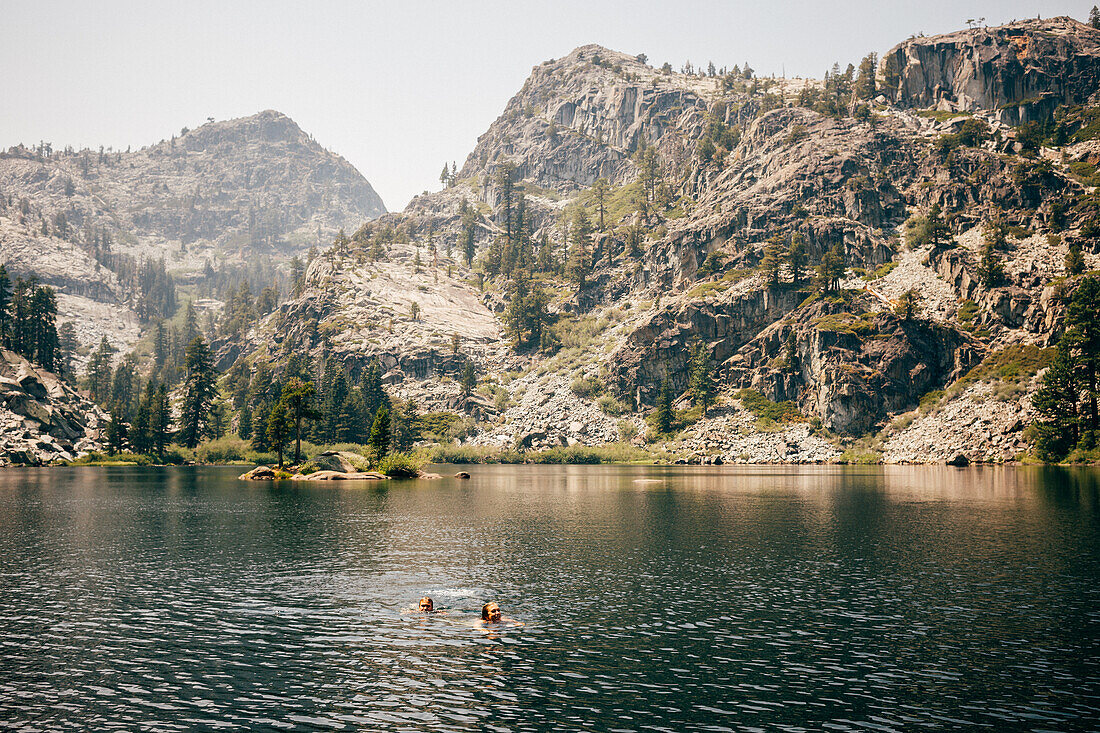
column 655, row 598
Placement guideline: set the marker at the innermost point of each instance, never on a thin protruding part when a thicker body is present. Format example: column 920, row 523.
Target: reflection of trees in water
column 1069, row 487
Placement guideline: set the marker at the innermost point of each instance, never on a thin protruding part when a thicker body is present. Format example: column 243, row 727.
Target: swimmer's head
column 490, row 612
column 426, row 605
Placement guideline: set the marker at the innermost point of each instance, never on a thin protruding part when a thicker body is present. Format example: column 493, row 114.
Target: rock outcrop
column 41, row 418
column 1021, row 71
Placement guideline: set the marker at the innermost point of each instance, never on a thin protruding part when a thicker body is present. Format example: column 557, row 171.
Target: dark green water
column 705, row 599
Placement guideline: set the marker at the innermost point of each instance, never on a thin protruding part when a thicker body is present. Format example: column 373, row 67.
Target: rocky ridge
column 849, row 183
column 233, row 191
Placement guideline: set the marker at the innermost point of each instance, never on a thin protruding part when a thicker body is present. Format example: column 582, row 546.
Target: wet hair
column 431, row 604
column 485, row 609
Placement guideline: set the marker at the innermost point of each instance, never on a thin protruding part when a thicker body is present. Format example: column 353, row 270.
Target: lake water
column 654, row 599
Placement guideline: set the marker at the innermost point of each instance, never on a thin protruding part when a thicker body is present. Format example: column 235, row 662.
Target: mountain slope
column 231, row 192
column 744, row 169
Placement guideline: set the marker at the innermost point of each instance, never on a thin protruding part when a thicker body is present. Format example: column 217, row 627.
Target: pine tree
column 865, row 82
column 526, row 316
column 468, row 379
column 907, row 305
column 116, row 435
column 5, row 306
column 298, row 400
column 790, row 359
column 1094, row 17
column 503, row 179
column 199, row 391
column 832, row 268
column 663, row 414
column 379, row 440
column 546, row 260
column 140, row 438
column 1056, row 401
column 1075, row 260
column 374, row 396
column 67, row 346
column 936, row 229
column 335, row 392
column 404, row 427
column 990, row 269
column 244, row 422
column 702, row 378
column 796, row 258
column 190, row 326
column 160, row 421
column 469, row 228
column 219, row 419
column 263, row 391
column 771, row 261
column 600, row 192
column 124, row 389
column 278, row 429
column 579, row 262
column 98, row 373
column 350, row 425
column 160, row 348
column 43, row 309
column 1082, row 338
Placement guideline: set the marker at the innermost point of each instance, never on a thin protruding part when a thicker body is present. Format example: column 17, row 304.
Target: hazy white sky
column 399, row 87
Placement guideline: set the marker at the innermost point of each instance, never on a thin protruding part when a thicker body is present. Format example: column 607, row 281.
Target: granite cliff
column 744, row 165
column 1021, row 72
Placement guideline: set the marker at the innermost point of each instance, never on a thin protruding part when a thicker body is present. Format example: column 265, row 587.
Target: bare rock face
column 582, row 116
column 1020, row 71
column 852, row 367
column 41, row 418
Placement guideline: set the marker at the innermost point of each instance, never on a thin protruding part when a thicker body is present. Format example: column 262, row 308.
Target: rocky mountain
column 907, row 183
column 230, row 193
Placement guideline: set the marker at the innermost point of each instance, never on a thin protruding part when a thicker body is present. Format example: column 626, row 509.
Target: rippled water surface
column 652, row 598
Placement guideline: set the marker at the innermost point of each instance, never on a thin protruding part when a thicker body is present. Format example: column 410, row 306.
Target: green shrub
column 859, row 457
column 586, row 387
column 1010, row 364
column 844, row 322
column 627, row 430
column 437, row 425
column 929, row 400
column 178, row 455
column 590, row 455
column 223, row 450
column 125, row 458
column 881, row 271
column 611, row 406
column 400, row 465
column 767, row 412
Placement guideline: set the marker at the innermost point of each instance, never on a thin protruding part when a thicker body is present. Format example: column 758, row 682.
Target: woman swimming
column 490, row 614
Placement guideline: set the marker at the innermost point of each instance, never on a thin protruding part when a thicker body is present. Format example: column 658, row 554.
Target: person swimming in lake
column 490, row 614
column 425, row 605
